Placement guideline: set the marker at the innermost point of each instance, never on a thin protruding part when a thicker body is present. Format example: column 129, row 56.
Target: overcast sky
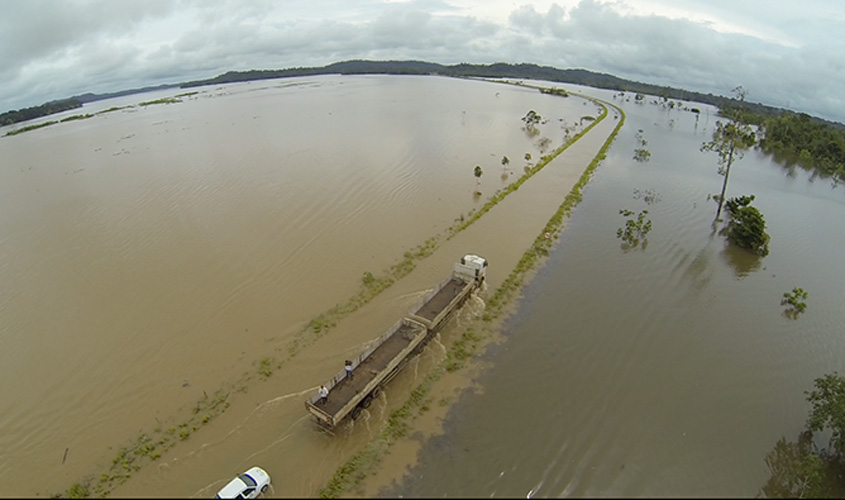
column 785, row 53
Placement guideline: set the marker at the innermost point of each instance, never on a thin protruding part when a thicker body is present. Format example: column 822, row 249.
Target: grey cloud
column 51, row 50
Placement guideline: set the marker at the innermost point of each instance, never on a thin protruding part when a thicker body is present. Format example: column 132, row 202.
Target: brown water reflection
column 153, row 255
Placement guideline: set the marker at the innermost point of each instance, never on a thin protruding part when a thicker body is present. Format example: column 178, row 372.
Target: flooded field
column 161, row 262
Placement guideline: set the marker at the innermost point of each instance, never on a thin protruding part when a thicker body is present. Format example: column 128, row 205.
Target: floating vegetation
column 264, row 368
column 111, row 109
column 163, row 100
column 642, row 155
column 635, row 230
column 30, row 127
column 795, row 302
column 554, row 91
column 649, row 196
column 75, row 117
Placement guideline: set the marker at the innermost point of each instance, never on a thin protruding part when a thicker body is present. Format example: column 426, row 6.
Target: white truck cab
column 472, row 267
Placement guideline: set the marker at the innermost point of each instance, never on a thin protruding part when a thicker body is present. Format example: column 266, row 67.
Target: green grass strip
column 30, row 127
column 163, row 100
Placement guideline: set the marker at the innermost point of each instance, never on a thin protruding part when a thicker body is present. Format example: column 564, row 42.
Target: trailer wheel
column 356, row 413
column 366, row 402
column 376, row 392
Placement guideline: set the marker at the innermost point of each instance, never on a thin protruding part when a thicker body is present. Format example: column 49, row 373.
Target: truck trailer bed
column 368, row 371
column 441, row 299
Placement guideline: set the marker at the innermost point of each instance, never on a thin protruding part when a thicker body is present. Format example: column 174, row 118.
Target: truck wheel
column 356, row 413
column 264, row 489
column 366, row 402
column 376, row 392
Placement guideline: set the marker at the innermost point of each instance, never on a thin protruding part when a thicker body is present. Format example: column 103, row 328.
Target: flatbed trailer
column 350, row 392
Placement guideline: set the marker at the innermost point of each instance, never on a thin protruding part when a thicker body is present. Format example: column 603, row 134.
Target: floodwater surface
column 154, row 254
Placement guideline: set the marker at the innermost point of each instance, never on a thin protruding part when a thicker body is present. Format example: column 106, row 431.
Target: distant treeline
column 497, row 70
column 74, row 102
column 796, row 139
column 24, row 114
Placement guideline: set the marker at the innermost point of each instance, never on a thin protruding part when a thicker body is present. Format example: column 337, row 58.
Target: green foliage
column 747, row 227
column 531, row 119
column 794, row 301
column 800, row 469
column 77, row 490
column 797, row 471
column 30, row 127
column 368, row 278
column 50, row 108
column 163, row 100
column 477, row 172
column 642, row 155
column 635, row 230
column 113, row 108
column 554, row 91
column 828, row 409
column 797, row 138
column 729, row 142
column 75, row 117
column 505, row 161
column 264, row 368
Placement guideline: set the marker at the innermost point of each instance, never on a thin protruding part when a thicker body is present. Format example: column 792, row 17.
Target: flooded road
column 158, row 257
column 665, row 371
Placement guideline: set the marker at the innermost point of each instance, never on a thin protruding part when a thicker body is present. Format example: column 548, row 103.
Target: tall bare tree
column 730, row 141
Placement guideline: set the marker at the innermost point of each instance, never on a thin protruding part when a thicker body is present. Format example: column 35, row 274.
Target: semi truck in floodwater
column 355, row 386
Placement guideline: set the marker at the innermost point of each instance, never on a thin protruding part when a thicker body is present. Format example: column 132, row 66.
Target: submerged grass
column 140, row 451
column 163, row 100
column 30, row 127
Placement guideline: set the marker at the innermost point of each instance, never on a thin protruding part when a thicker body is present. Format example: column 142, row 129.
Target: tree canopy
column 801, row 469
column 747, row 227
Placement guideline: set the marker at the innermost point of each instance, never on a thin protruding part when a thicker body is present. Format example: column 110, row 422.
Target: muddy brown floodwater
column 152, row 255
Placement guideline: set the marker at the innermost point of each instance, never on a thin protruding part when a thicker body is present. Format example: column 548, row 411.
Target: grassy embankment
column 149, row 446
column 166, row 100
column 354, row 470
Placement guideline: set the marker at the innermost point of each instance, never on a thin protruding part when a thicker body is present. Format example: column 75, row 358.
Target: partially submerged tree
column 795, row 302
column 531, row 119
column 803, row 470
column 635, row 229
column 730, row 140
column 747, row 227
column 505, row 162
column 477, row 172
